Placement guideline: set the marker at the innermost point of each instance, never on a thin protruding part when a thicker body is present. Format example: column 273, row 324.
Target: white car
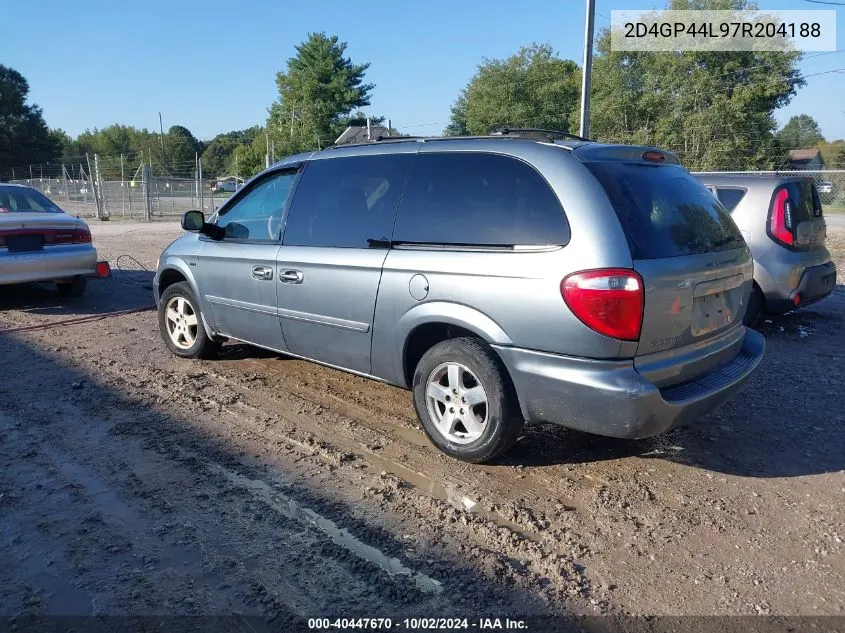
column 229, row 184
column 40, row 242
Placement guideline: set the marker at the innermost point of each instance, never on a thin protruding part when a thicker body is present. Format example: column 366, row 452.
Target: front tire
column 180, row 323
column 464, row 400
column 74, row 288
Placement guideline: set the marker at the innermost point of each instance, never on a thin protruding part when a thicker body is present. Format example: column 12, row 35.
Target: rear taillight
column 81, row 236
column 780, row 224
column 66, row 236
column 607, row 300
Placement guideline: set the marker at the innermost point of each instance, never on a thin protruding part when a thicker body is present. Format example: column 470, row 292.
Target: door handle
column 262, row 273
column 291, row 277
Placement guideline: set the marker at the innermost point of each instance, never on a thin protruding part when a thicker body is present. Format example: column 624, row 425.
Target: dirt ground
column 133, row 482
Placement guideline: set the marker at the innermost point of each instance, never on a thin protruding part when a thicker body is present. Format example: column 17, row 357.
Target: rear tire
column 756, row 303
column 74, row 288
column 465, row 401
column 180, row 323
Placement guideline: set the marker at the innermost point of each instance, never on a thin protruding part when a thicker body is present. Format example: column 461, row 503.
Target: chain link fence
column 76, row 192
column 127, row 198
column 830, row 184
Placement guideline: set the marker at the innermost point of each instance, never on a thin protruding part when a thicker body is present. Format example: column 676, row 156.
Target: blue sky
column 210, row 66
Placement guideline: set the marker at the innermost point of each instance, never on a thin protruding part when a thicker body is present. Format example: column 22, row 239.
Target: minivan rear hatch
column 695, row 265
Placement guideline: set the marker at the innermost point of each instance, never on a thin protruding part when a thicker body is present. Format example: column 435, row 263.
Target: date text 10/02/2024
column 412, row 624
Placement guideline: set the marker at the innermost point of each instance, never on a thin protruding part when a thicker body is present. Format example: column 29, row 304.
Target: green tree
column 112, row 142
column 181, row 148
column 218, row 156
column 66, row 147
column 801, row 131
column 714, row 109
column 24, row 136
column 317, row 92
column 532, row 88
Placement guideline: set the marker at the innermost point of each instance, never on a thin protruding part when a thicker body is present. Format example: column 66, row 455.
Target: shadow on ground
column 122, row 291
column 113, row 505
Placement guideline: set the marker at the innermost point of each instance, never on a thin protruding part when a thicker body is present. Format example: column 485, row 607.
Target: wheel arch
column 427, row 324
column 175, row 270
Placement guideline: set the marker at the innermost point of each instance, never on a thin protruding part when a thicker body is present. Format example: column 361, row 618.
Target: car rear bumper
column 815, row 283
column 54, row 262
column 612, row 398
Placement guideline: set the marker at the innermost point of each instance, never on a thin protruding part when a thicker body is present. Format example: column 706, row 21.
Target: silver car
column 502, row 279
column 782, row 221
column 40, row 242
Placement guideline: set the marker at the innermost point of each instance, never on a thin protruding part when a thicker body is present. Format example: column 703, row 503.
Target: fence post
column 64, row 184
column 122, row 189
column 82, row 179
column 102, row 210
column 148, row 196
column 202, row 193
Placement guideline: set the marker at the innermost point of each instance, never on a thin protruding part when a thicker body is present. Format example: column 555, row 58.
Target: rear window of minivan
column 664, row 211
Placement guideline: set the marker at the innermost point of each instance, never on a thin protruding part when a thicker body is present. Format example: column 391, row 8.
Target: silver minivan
column 502, row 279
column 780, row 217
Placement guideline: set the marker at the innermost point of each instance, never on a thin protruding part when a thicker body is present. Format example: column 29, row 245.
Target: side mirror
column 193, row 221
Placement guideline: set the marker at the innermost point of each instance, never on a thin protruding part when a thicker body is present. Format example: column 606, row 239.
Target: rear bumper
column 612, row 398
column 782, row 274
column 815, row 283
column 54, row 262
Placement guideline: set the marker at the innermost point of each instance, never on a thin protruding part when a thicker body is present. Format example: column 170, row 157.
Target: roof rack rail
column 536, row 130
column 397, row 138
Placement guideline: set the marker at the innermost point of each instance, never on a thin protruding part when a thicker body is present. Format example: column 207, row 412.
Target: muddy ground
column 133, row 482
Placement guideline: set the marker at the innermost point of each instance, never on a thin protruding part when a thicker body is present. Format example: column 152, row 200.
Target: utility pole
column 586, row 75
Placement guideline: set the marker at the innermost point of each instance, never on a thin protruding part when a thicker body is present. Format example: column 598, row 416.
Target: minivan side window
column 257, row 213
column 347, row 202
column 478, row 199
column 730, row 197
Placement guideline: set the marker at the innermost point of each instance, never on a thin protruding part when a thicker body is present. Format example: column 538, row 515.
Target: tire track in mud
column 146, row 447
column 510, row 553
column 638, row 508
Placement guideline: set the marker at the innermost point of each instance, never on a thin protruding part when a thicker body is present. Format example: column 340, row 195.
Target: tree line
column 714, row 109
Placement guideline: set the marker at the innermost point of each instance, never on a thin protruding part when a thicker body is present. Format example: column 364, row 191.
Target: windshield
column 664, row 211
column 21, row 199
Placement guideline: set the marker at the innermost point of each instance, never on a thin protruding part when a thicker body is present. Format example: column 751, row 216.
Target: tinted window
column 347, row 201
column 730, row 197
column 18, row 199
column 257, row 213
column 478, row 199
column 804, row 200
column 664, row 211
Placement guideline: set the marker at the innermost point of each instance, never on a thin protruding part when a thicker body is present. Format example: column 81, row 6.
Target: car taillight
column 65, row 236
column 608, row 300
column 780, row 225
column 81, row 236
